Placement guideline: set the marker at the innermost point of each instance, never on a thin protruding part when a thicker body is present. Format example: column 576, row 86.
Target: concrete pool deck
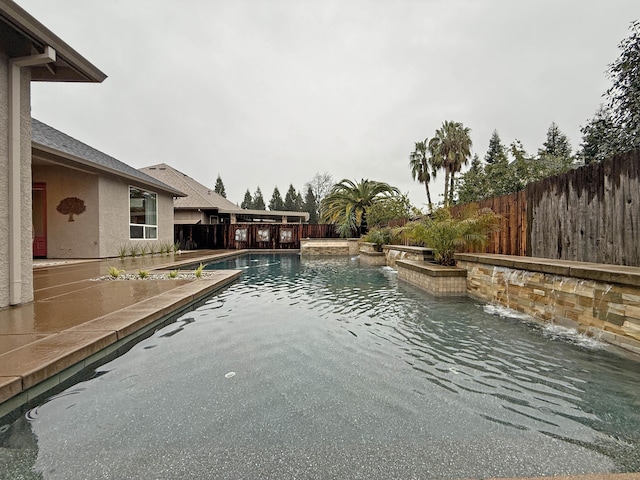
column 74, row 321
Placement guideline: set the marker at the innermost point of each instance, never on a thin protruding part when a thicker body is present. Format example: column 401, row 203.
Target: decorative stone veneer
column 435, row 279
column 401, row 252
column 370, row 254
column 600, row 300
column 329, row 246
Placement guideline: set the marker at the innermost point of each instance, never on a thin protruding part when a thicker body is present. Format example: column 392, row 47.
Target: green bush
column 379, row 236
column 447, row 235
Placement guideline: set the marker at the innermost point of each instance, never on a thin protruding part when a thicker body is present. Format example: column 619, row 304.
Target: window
column 143, row 214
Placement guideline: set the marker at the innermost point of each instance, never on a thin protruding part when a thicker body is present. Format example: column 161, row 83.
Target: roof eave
column 71, row 66
column 95, row 166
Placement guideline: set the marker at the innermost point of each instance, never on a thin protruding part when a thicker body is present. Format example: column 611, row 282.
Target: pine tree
column 276, row 202
column 290, row 199
column 219, row 188
column 496, row 151
column 247, row 202
column 472, row 183
column 557, row 143
column 311, row 206
column 258, row 200
column 299, row 202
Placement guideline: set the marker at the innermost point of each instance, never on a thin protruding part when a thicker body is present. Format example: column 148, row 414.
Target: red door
column 39, row 214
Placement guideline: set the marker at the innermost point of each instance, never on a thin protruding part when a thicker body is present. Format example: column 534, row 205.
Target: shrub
column 379, row 236
column 447, row 235
column 173, row 274
column 199, row 270
column 123, row 251
column 114, row 272
column 143, row 273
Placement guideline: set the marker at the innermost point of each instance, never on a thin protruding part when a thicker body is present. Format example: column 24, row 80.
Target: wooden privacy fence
column 249, row 235
column 511, row 239
column 589, row 214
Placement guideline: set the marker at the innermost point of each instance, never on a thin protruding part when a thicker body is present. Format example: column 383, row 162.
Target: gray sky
column 267, row 93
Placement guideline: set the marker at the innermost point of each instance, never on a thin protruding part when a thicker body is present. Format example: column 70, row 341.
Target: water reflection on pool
column 324, row 368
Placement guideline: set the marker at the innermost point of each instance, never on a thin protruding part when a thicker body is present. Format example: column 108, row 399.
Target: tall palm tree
column 347, row 203
column 423, row 168
column 451, row 147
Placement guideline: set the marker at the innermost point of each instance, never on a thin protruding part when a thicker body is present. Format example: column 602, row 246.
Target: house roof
column 54, row 146
column 197, row 194
column 32, row 36
column 203, row 197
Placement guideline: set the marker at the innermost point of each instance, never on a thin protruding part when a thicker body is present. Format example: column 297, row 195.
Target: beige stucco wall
column 190, row 216
column 103, row 228
column 4, row 183
column 65, row 239
column 114, row 216
column 25, row 184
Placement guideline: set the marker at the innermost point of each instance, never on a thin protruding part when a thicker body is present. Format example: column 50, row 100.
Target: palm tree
column 451, row 147
column 348, row 201
column 422, row 168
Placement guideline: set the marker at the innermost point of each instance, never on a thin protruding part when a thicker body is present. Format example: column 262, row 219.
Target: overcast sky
column 267, row 93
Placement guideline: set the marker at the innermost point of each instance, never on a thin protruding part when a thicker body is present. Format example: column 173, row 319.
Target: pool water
column 326, row 368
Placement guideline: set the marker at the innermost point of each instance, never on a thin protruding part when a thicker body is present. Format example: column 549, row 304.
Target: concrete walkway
column 75, row 321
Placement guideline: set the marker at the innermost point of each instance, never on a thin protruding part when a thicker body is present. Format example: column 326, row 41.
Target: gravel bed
column 152, row 276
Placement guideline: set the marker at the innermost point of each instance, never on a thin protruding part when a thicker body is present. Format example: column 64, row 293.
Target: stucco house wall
column 4, row 182
column 65, row 239
column 189, row 216
column 114, row 216
column 25, row 183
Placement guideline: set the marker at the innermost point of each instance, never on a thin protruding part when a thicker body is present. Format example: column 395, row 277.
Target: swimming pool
column 324, row 368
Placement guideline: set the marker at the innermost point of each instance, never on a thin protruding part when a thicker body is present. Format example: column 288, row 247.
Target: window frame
column 146, row 227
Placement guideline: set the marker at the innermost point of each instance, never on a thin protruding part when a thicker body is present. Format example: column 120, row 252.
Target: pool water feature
column 324, row 368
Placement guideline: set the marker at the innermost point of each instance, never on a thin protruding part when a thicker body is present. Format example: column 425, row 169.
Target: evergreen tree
column 276, row 202
column 496, row 151
column 290, row 199
column 247, row 202
column 258, row 201
column 299, row 202
column 472, row 184
column 556, row 145
column 311, row 206
column 555, row 156
column 599, row 137
column 219, row 188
